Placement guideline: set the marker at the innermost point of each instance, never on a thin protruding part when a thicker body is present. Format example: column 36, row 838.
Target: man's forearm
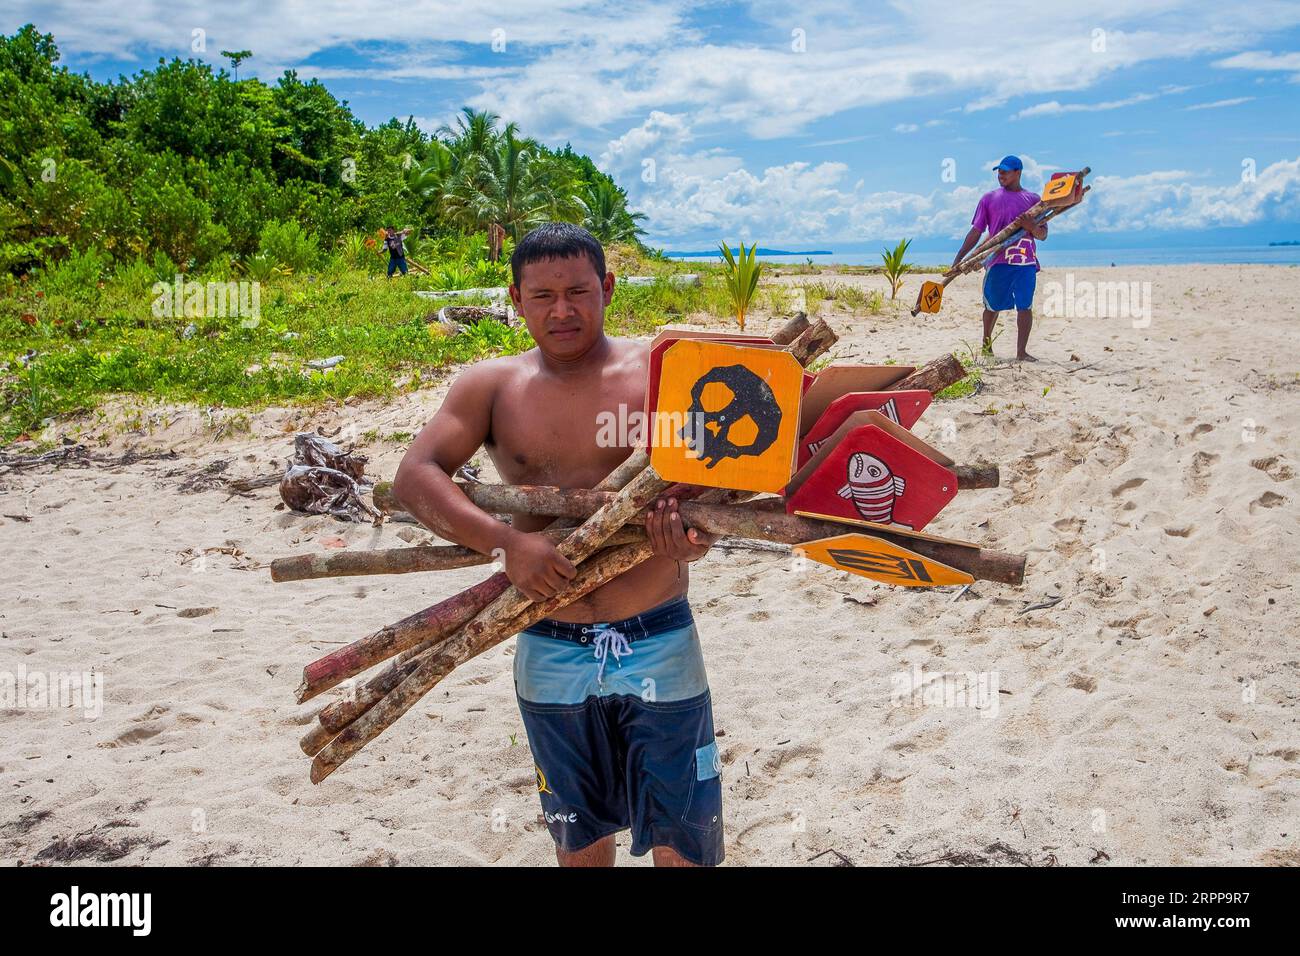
column 967, row 245
column 429, row 493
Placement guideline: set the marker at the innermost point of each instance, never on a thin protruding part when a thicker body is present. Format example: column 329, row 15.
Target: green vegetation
column 83, row 331
column 741, row 277
column 973, row 362
column 895, row 266
column 183, row 173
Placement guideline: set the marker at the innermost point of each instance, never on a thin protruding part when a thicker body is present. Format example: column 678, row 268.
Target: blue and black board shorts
column 620, row 723
column 1009, row 287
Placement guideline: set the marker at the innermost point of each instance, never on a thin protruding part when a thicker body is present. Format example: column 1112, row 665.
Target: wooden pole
column 493, row 622
column 1008, row 231
column 745, row 521
column 338, row 715
column 303, row 567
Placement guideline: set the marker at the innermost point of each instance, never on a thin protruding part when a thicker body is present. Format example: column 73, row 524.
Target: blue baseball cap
column 1009, row 163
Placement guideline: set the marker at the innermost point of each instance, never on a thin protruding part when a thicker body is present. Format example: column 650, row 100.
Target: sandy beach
column 1148, row 716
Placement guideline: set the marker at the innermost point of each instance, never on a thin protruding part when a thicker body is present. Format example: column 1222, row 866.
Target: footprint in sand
column 1201, row 429
column 801, row 760
column 136, row 736
column 1199, row 472
column 931, row 739
column 1269, row 499
column 1274, row 467
column 1127, row 486
column 1082, row 682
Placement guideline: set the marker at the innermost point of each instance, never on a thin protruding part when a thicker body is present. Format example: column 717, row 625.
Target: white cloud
column 1217, row 104
column 799, row 202
column 1053, row 108
column 571, row 68
column 1167, row 201
column 1263, row 61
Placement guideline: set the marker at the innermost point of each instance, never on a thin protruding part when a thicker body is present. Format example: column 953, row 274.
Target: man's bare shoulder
column 629, row 352
column 489, row 373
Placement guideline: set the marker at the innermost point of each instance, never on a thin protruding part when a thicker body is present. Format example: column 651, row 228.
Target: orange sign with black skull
column 727, row 416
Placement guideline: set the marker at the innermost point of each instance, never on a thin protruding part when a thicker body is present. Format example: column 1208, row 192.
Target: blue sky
column 820, row 123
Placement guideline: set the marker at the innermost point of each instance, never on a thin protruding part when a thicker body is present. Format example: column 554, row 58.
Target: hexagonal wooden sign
column 881, row 561
column 727, row 416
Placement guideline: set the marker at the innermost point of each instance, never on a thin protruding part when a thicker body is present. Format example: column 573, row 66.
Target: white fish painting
column 872, row 487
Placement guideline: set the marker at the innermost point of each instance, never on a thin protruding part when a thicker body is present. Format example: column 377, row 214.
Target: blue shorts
column 620, row 723
column 1009, row 287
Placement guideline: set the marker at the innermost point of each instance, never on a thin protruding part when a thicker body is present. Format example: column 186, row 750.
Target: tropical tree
column 512, row 184
column 606, row 216
column 236, row 57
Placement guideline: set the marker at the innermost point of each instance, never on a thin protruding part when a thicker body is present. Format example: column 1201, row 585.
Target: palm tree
column 606, row 216
column 475, row 132
column 513, row 184
column 431, row 181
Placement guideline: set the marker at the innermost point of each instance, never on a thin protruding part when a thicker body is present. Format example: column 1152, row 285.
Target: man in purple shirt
column 1010, row 273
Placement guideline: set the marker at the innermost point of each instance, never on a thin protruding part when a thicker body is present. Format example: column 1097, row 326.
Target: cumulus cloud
column 801, row 202
column 567, row 68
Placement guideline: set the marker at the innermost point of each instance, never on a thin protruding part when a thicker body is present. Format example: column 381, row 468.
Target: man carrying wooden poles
column 1010, row 276
column 612, row 688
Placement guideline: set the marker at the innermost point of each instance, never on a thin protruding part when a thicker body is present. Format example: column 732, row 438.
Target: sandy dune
column 1148, row 717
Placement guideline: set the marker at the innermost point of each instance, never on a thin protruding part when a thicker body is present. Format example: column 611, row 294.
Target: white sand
column 1149, row 716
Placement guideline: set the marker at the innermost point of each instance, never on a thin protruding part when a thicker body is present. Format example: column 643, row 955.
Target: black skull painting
column 746, row 423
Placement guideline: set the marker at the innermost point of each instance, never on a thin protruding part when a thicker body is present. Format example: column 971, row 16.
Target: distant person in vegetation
column 396, row 251
column 1010, row 275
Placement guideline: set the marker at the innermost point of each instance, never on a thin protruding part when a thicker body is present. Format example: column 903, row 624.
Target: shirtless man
column 612, row 691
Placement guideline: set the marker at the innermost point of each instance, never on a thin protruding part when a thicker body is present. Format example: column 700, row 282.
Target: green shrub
column 76, row 277
column 287, row 244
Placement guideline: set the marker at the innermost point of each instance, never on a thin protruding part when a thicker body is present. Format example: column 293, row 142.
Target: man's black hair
column 557, row 240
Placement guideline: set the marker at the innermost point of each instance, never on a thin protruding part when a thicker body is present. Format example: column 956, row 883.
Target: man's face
column 563, row 303
column 1009, row 178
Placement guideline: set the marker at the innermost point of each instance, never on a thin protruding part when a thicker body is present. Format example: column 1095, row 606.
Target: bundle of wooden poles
column 426, row 646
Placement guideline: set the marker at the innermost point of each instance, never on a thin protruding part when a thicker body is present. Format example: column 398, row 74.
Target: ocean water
column 1082, row 258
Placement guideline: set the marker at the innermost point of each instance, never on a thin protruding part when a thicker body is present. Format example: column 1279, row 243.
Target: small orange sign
column 727, row 416
column 1060, row 188
column 931, row 297
column 881, row 561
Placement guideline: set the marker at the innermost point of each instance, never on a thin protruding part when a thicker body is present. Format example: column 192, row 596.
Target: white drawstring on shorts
column 607, row 640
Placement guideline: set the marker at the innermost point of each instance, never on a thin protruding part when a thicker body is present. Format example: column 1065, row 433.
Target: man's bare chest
column 559, row 434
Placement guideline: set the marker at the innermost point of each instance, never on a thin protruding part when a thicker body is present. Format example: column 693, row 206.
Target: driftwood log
column 493, row 624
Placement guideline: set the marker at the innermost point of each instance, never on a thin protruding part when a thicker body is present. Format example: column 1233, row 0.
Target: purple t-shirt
column 996, row 210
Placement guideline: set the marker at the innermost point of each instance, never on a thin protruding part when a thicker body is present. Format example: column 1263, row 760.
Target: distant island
column 1286, row 242
column 761, row 251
